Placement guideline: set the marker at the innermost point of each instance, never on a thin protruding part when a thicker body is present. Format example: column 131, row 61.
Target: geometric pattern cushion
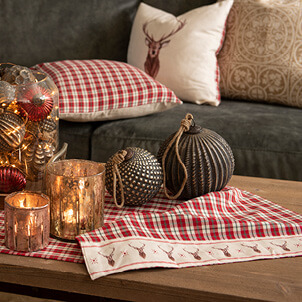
column 261, row 58
column 97, row 90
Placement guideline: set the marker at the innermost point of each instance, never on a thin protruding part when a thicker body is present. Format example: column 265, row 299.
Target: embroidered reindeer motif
column 224, row 250
column 109, row 257
column 283, row 246
column 152, row 61
column 195, row 254
column 169, row 253
column 140, row 250
column 253, row 247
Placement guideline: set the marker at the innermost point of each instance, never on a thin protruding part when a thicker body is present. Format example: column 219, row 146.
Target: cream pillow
column 180, row 52
column 262, row 55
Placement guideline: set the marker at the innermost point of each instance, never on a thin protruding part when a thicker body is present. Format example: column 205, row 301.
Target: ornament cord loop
column 184, row 127
column 118, row 158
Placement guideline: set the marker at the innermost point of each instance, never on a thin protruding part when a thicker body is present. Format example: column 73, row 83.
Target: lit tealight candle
column 69, row 216
column 26, row 221
column 69, row 223
column 76, row 189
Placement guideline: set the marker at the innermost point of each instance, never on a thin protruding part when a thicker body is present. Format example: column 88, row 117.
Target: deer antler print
column 194, row 254
column 169, row 253
column 109, row 257
column 283, row 246
column 224, row 250
column 140, row 250
column 253, row 247
column 152, row 61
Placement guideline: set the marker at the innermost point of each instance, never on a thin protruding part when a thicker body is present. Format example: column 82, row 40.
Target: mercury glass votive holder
column 26, row 221
column 76, row 189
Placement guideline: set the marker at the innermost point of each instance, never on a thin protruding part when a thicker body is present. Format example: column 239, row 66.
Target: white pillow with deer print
column 181, row 52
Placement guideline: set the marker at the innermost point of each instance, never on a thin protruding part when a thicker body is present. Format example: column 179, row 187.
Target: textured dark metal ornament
column 12, row 131
column 141, row 176
column 11, row 179
column 208, row 160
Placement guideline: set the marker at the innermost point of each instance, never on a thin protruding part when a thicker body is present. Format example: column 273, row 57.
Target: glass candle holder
column 26, row 221
column 76, row 189
column 29, row 126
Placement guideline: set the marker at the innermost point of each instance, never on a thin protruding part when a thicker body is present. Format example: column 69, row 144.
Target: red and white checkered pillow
column 97, row 90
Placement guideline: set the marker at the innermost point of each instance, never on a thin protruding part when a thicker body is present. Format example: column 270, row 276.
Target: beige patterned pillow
column 262, row 54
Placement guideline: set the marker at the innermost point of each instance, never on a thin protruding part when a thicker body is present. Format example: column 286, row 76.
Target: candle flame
column 22, row 203
column 69, row 215
column 81, row 184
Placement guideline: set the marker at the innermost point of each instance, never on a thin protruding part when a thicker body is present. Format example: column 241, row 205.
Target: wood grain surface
column 264, row 280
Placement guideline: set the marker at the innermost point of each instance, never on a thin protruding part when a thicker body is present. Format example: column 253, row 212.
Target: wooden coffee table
column 269, row 280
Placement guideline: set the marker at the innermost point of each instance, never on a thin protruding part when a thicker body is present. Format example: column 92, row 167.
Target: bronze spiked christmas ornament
column 195, row 161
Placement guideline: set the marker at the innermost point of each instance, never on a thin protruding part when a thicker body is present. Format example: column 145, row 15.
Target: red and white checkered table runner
column 71, row 252
column 220, row 227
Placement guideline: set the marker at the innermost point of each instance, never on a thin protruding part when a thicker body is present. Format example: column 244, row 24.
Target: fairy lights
column 28, row 124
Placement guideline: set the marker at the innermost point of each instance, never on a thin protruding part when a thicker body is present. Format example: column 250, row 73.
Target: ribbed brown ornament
column 141, row 176
column 12, row 131
column 208, row 160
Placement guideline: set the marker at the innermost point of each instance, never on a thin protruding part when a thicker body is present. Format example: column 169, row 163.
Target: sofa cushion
column 266, row 139
column 180, row 52
column 97, row 90
column 262, row 55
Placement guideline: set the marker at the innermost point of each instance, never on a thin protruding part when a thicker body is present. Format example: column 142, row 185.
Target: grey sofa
column 266, row 139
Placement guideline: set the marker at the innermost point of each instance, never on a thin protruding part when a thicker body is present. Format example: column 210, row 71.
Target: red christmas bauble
column 11, row 179
column 36, row 102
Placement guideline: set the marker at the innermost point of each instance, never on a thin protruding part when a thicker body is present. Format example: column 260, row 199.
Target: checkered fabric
column 220, row 227
column 71, row 252
column 56, row 250
column 91, row 90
